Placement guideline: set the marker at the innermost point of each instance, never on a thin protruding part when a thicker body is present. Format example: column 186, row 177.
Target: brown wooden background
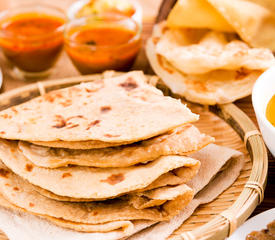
column 64, row 68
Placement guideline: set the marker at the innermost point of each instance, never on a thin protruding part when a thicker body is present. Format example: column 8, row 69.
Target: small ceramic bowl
column 31, row 38
column 94, row 45
column 76, row 6
column 263, row 91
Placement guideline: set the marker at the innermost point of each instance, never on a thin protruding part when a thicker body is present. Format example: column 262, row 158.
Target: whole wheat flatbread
column 157, row 197
column 139, row 200
column 22, row 194
column 220, row 167
column 167, row 186
column 220, row 156
column 217, row 86
column 180, row 141
column 125, row 228
column 168, row 179
column 119, row 109
column 94, row 183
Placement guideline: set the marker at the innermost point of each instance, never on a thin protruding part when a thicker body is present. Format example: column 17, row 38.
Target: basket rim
column 221, row 226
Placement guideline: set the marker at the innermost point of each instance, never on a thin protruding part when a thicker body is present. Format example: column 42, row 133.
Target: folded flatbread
column 112, row 107
column 220, row 167
column 95, row 183
column 180, row 141
column 212, row 155
column 22, row 194
column 220, row 68
column 173, row 178
column 119, row 228
column 209, row 51
column 253, row 20
column 182, row 16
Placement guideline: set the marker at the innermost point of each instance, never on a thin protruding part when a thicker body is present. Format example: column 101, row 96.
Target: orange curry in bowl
column 103, row 44
column 270, row 111
column 31, row 40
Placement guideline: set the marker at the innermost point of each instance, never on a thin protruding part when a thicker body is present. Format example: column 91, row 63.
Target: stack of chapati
column 100, row 156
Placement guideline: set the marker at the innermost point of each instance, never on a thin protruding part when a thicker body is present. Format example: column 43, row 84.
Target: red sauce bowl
column 31, row 36
column 98, row 43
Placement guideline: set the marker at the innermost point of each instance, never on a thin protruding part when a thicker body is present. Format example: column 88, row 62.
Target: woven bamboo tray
column 229, row 125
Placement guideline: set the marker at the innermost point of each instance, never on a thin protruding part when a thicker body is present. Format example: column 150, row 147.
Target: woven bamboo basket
column 231, row 128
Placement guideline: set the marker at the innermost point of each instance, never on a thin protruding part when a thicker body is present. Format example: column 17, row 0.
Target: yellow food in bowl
column 270, row 111
column 122, row 7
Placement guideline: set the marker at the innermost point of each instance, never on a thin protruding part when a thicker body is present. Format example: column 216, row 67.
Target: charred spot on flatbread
column 65, row 175
column 4, row 173
column 95, row 213
column 114, row 179
column 129, row 84
column 29, row 167
column 60, row 122
column 93, row 123
column 105, row 109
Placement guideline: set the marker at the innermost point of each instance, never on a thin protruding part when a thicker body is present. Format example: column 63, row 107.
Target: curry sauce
column 32, row 40
column 270, row 111
column 94, row 49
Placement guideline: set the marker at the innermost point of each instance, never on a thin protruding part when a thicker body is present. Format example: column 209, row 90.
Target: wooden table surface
column 64, row 68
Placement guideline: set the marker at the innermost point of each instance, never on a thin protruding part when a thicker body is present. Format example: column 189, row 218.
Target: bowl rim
column 98, row 19
column 30, row 8
column 266, row 77
column 77, row 5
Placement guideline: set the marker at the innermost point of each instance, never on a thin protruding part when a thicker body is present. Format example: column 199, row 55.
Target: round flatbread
column 120, row 110
column 180, row 141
